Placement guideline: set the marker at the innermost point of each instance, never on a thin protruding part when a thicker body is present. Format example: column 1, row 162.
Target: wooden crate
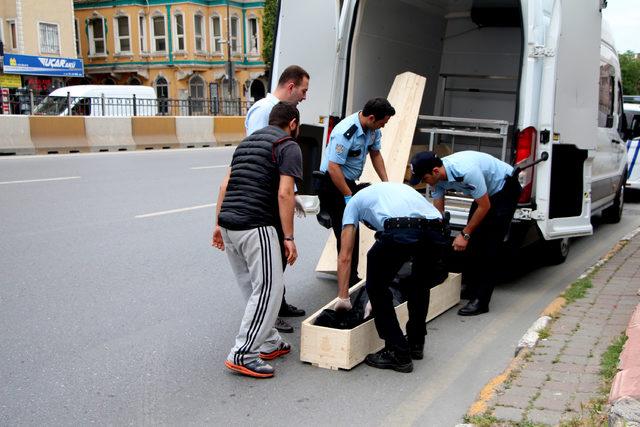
column 345, row 348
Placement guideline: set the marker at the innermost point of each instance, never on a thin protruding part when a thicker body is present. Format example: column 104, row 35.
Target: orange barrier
column 53, row 134
column 228, row 130
column 154, row 132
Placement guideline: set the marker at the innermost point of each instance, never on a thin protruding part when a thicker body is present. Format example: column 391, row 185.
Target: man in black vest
column 255, row 199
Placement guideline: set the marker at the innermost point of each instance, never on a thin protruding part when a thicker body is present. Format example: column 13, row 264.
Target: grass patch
column 577, row 290
column 609, row 361
column 544, row 333
column 484, row 420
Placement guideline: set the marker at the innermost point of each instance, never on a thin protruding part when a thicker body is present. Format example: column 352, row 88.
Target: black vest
column 251, row 199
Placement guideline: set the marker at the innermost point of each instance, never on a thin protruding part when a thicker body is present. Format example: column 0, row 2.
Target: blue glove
column 346, row 199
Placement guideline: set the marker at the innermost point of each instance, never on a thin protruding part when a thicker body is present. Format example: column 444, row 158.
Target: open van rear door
column 307, row 34
column 568, row 117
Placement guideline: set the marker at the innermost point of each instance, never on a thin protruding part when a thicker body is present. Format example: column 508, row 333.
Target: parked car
column 528, row 65
column 100, row 100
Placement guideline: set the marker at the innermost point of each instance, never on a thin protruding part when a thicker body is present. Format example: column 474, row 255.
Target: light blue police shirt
column 472, row 173
column 350, row 153
column 378, row 202
column 258, row 114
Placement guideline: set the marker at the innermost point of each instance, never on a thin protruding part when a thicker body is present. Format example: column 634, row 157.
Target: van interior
column 470, row 51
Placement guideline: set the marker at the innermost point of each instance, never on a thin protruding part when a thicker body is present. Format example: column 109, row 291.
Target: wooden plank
column 405, row 96
column 345, row 348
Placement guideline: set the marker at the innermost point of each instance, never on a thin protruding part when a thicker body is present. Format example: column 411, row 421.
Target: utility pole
column 230, row 64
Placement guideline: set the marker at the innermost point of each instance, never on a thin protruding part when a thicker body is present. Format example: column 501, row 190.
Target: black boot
column 474, row 308
column 390, row 359
column 417, row 351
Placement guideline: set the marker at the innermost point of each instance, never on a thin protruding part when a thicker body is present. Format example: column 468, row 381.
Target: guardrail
column 123, row 107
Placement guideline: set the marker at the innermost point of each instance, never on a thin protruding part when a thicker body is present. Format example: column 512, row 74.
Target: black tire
column 556, row 251
column 613, row 214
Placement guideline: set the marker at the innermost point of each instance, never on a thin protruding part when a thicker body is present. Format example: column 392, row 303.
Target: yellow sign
column 10, row 81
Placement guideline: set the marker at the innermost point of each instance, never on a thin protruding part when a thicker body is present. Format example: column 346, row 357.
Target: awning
column 42, row 66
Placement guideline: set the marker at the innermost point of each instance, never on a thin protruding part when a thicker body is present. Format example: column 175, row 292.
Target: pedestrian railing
column 125, row 107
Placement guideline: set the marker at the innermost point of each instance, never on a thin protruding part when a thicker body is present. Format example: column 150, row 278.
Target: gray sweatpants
column 255, row 259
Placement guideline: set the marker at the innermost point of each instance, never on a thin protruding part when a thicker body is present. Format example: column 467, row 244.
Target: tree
column 269, row 30
column 630, row 67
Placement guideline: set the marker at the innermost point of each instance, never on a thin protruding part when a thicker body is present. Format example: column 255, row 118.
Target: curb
column 532, row 336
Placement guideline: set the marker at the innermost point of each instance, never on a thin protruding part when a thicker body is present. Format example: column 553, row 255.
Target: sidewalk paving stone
column 508, row 414
column 514, row 400
column 544, row 417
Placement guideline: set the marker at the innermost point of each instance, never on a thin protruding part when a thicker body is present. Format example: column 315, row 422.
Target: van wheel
column 613, row 214
column 556, row 251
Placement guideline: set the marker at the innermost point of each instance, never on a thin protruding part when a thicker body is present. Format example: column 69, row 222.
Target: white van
column 100, row 100
column 542, row 75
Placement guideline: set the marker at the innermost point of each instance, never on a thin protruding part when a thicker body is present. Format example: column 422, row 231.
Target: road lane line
column 209, row 167
column 64, row 178
column 172, row 211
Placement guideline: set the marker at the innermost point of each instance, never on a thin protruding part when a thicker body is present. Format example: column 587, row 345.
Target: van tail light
column 525, row 153
column 333, row 121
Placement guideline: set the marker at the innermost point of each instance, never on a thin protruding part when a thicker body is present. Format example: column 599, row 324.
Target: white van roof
column 108, row 90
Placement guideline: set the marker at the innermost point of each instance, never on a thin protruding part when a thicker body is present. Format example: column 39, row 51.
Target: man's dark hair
column 379, row 107
column 294, row 73
column 282, row 113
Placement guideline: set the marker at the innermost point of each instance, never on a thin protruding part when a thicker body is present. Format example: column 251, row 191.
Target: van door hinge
column 541, row 52
column 526, row 214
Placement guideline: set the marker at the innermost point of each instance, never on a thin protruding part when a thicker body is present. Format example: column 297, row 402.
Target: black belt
column 415, row 223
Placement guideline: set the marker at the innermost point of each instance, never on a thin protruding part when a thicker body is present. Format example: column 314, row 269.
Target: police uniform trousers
column 484, row 246
column 332, row 201
column 391, row 250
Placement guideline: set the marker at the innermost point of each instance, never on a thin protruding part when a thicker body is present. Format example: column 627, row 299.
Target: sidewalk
column 559, row 379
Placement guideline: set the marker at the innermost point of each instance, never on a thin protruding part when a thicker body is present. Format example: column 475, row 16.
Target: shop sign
column 42, row 66
column 10, row 80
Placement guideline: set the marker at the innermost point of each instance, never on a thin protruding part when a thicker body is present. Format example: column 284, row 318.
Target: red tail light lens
column 525, row 152
column 333, row 121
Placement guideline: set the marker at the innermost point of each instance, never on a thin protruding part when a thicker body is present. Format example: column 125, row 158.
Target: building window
column 162, row 92
column 234, row 35
column 199, row 32
column 49, row 41
column 196, row 93
column 134, row 81
column 1, row 31
column 606, row 96
column 96, row 37
column 142, row 25
column 13, row 33
column 109, row 81
column 159, row 34
column 179, row 21
column 76, row 30
column 254, row 49
column 122, row 34
column 216, row 34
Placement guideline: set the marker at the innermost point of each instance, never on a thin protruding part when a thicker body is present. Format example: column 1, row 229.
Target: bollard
column 102, row 103
column 68, row 103
column 31, row 104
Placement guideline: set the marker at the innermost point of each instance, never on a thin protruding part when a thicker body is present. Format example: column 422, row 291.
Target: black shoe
column 473, row 308
column 288, row 310
column 417, row 351
column 282, row 326
column 389, row 359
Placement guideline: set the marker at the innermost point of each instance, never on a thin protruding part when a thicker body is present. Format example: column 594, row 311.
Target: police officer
column 351, row 140
column 495, row 190
column 408, row 228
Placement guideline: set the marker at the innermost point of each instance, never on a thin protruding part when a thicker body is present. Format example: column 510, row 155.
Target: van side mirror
column 634, row 130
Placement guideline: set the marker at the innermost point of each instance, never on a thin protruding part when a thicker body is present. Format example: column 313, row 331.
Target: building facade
column 186, row 49
column 27, row 29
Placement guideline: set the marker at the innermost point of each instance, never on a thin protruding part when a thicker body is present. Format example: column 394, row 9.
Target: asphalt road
column 114, row 308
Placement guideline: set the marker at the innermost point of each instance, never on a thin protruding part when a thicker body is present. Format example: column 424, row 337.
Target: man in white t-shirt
column 292, row 88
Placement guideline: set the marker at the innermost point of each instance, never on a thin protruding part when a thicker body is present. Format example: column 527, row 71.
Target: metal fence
column 134, row 106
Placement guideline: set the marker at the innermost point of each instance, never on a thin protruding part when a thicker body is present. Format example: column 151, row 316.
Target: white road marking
column 64, row 178
column 209, row 167
column 172, row 211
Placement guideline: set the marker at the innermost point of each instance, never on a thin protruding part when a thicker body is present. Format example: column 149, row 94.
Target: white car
column 633, row 152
